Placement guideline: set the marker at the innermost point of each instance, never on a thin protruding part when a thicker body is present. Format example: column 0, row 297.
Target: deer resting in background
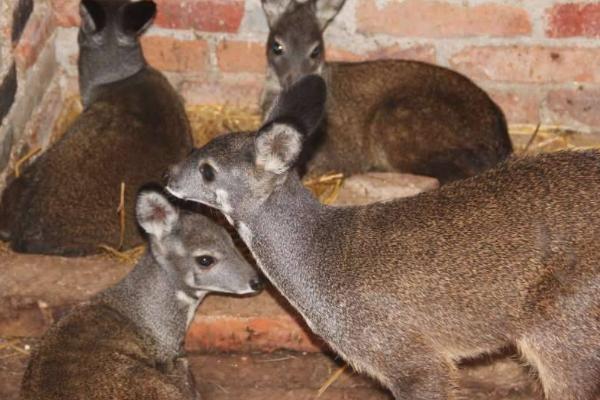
column 128, row 342
column 386, row 115
column 132, row 128
column 404, row 289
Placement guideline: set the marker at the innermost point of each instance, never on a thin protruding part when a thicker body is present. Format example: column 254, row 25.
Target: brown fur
column 408, row 116
column 72, row 361
column 386, row 115
column 66, row 201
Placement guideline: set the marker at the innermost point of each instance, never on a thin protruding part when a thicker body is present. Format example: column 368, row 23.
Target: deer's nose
column 256, row 284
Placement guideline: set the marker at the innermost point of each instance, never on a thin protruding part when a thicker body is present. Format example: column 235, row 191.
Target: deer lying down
column 384, row 115
column 132, row 128
column 403, row 289
column 127, row 343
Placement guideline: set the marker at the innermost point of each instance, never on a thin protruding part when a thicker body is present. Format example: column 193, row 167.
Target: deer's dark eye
column 208, row 172
column 205, row 261
column 316, row 52
column 277, row 48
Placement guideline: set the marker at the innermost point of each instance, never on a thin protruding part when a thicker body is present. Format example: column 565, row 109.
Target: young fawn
column 128, row 342
column 405, row 288
column 132, row 128
column 387, row 115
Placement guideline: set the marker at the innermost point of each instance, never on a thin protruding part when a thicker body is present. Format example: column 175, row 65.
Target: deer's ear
column 326, row 10
column 274, row 9
column 135, row 18
column 303, row 103
column 93, row 18
column 155, row 214
column 277, row 147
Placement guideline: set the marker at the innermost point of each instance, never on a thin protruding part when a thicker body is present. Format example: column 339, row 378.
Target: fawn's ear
column 135, row 18
column 296, row 113
column 274, row 9
column 93, row 17
column 155, row 214
column 326, row 10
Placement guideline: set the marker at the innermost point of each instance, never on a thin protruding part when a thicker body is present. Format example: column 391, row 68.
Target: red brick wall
column 538, row 58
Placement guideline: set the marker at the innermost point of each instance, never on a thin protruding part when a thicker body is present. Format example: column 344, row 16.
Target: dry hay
column 211, row 120
column 130, row 256
column 535, row 139
column 4, row 248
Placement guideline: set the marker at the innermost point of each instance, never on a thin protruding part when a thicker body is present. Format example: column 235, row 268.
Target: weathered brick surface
column 574, row 19
column 520, row 106
column 532, row 64
column 580, row 106
column 202, row 15
column 66, row 12
column 238, row 56
column 33, row 39
column 424, row 53
column 434, row 19
column 174, row 55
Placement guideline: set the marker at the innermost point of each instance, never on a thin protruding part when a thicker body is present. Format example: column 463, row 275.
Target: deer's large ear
column 155, row 214
column 326, row 10
column 93, row 18
column 296, row 113
column 277, row 147
column 274, row 9
column 135, row 18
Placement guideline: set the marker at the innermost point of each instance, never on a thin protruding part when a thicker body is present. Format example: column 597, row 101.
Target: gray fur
column 404, row 289
column 386, row 115
column 128, row 342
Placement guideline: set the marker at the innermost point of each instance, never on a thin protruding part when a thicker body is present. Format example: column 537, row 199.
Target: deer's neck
column 157, row 304
column 288, row 242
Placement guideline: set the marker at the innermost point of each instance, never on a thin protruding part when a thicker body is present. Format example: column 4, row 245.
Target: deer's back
column 95, row 353
column 476, row 261
column 409, row 116
column 132, row 132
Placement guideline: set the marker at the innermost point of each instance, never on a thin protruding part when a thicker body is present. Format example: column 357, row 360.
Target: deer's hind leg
column 565, row 349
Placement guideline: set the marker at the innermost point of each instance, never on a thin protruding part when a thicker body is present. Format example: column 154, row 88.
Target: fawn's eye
column 207, row 172
column 316, row 52
column 205, row 261
column 277, row 48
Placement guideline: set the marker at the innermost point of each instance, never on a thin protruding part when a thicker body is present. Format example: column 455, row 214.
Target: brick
column 174, row 55
column 520, row 106
column 236, row 334
column 418, row 53
column 21, row 14
column 433, row 19
column 66, row 12
column 579, row 105
column 535, row 64
column 238, row 56
column 574, row 19
column 335, row 54
column 33, row 39
column 202, row 15
column 236, row 90
column 372, row 187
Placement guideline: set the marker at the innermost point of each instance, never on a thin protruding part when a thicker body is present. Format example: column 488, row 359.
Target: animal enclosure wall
column 539, row 59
